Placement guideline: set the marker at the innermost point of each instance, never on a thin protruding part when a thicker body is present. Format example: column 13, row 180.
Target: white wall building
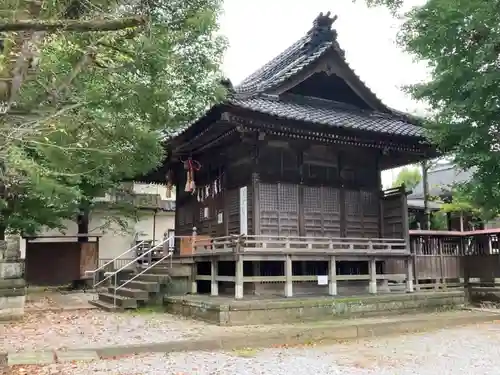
column 114, row 239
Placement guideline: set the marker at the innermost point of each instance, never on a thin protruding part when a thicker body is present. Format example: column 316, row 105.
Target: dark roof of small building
column 441, row 180
column 419, row 204
column 262, row 91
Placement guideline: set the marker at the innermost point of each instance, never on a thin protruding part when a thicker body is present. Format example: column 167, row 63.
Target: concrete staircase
column 166, row 278
column 147, row 289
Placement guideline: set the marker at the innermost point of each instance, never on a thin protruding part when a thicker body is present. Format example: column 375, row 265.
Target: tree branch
column 73, row 25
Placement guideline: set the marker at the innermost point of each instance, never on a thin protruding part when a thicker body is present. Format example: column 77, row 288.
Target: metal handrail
column 94, row 272
column 115, row 273
column 118, row 287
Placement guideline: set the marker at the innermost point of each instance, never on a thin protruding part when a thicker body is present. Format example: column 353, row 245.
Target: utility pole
column 425, row 185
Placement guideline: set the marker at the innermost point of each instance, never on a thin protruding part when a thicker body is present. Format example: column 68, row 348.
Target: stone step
column 149, row 286
column 161, row 279
column 175, row 271
column 105, row 306
column 159, row 270
column 124, row 302
column 138, row 294
column 181, row 270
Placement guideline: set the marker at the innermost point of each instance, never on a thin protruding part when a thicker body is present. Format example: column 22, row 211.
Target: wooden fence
column 445, row 259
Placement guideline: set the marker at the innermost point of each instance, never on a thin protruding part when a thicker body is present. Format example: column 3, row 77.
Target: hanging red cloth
column 191, row 166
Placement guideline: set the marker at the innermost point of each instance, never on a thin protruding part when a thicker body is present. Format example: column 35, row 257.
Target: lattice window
column 352, row 200
column 370, row 202
column 331, row 200
column 312, row 199
column 268, row 197
column 288, row 198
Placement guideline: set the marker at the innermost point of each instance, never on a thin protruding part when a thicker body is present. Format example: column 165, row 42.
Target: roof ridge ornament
column 323, row 22
column 322, row 29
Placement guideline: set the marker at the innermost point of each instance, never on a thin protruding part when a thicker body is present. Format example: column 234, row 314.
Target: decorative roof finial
column 322, row 30
column 323, row 22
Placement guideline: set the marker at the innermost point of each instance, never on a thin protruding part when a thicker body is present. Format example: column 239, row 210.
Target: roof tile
column 325, row 112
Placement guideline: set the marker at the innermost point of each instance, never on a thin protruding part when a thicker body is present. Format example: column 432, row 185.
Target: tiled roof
column 326, row 112
column 287, row 64
column 318, row 41
column 441, row 180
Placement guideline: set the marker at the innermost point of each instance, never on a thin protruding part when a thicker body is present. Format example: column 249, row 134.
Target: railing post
column 409, row 275
column 214, row 272
column 372, row 286
column 194, row 274
column 238, row 279
column 332, row 276
column 114, row 289
column 288, row 276
column 193, row 240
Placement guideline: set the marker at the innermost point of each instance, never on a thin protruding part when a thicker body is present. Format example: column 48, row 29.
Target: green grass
column 245, row 352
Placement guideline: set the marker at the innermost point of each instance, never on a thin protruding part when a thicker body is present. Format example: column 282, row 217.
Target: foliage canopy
column 459, row 40
column 87, row 88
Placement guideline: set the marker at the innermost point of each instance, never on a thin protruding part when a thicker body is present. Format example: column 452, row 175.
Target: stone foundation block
column 11, row 270
column 12, row 307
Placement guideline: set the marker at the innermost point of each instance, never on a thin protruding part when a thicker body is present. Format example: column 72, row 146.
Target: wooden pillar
column 255, row 204
column 417, row 250
column 214, row 285
column 256, row 273
column 288, row 277
column 409, row 275
column 238, row 279
column 332, row 276
column 372, row 286
column 194, row 283
column 342, row 202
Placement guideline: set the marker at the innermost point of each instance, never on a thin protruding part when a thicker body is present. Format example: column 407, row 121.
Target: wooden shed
column 59, row 260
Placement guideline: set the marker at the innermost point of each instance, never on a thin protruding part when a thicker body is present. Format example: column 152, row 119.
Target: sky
column 258, row 30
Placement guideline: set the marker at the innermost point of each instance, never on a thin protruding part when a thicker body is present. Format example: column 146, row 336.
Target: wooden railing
column 449, row 258
column 308, row 245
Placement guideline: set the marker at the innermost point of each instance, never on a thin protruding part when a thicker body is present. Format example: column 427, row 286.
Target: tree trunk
column 82, row 220
column 73, row 25
column 3, row 229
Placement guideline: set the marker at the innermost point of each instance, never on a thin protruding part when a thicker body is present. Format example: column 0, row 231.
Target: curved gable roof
column 319, row 41
column 258, row 91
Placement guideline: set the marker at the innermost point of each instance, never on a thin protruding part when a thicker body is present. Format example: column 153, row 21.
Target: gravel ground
column 91, row 328
column 473, row 350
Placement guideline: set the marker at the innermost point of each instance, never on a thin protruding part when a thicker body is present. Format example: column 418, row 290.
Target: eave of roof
column 329, row 113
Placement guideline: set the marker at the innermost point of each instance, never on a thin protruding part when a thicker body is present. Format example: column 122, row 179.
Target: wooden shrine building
column 282, row 181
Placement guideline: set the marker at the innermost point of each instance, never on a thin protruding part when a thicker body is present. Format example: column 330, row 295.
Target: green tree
column 460, row 42
column 462, row 203
column 90, row 113
column 409, row 176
